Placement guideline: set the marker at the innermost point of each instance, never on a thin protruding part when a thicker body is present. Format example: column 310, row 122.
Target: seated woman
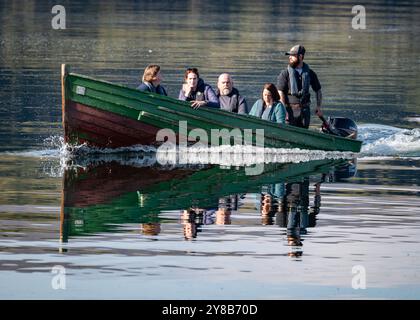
column 195, row 90
column 269, row 106
column 152, row 79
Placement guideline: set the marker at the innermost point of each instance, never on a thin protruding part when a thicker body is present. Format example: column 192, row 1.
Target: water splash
column 240, row 155
column 85, row 150
column 55, row 147
column 57, row 156
column 380, row 140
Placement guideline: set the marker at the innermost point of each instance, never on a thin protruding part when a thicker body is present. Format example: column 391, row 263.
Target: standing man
column 293, row 85
column 229, row 97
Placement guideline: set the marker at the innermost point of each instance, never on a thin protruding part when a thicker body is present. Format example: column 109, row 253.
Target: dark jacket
column 203, row 92
column 148, row 87
column 233, row 102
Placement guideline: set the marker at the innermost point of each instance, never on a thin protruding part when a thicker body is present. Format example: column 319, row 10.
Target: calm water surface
column 124, row 226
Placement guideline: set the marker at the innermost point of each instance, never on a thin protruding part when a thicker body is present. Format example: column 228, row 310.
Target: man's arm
column 283, row 101
column 282, row 98
column 318, row 110
column 282, row 86
column 243, row 107
column 316, row 86
column 212, row 100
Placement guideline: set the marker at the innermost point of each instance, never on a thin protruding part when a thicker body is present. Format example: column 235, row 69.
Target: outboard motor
column 343, row 127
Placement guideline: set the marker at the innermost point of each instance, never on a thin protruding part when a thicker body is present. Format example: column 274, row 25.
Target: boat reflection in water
column 285, row 203
column 100, row 196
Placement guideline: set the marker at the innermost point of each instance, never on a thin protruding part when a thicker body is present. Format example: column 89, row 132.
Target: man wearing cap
column 293, row 85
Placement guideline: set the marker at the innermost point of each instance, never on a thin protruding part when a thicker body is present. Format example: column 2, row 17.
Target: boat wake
column 387, row 141
column 379, row 141
column 198, row 157
column 56, row 156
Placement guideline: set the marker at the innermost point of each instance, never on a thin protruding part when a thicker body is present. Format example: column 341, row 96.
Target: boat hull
column 107, row 115
column 104, row 129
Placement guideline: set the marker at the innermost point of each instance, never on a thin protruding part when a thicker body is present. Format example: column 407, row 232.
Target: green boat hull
column 108, row 115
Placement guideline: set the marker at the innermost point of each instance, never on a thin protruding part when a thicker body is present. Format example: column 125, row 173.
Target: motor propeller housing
column 343, row 127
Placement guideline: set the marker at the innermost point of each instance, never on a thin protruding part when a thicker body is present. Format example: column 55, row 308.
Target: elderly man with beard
column 229, row 97
column 293, row 85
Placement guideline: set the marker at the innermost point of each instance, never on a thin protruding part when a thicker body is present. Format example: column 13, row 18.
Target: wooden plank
column 118, row 124
column 106, row 129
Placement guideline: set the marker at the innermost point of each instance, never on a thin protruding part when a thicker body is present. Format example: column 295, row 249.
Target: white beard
column 224, row 92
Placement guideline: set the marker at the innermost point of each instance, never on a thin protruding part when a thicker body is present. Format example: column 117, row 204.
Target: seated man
column 229, row 97
column 196, row 91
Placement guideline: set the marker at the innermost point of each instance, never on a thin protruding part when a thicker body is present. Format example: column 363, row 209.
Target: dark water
column 116, row 223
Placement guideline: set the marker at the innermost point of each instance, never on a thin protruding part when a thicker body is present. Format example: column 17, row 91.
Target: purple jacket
column 203, row 92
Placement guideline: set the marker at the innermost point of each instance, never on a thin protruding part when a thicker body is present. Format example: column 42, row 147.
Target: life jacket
column 303, row 81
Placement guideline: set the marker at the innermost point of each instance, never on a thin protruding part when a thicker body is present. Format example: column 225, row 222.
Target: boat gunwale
column 156, row 98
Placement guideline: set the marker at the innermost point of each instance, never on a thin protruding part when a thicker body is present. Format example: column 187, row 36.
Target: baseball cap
column 297, row 49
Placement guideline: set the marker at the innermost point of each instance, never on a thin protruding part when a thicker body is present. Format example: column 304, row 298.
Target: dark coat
column 148, row 87
column 203, row 92
column 233, row 102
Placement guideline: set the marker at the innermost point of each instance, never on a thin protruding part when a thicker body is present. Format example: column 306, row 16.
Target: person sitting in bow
column 151, row 80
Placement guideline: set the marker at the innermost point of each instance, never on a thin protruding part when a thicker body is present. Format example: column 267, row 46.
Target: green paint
column 166, row 112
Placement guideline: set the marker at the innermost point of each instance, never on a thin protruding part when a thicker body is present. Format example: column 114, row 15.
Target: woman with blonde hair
column 151, row 80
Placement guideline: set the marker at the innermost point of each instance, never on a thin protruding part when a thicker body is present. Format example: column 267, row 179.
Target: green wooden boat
column 108, row 115
column 99, row 198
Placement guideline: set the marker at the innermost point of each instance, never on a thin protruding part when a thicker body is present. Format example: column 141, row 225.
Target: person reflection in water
column 269, row 202
column 294, row 214
column 194, row 218
column 289, row 204
column 226, row 205
column 150, row 229
column 190, row 226
column 223, row 216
